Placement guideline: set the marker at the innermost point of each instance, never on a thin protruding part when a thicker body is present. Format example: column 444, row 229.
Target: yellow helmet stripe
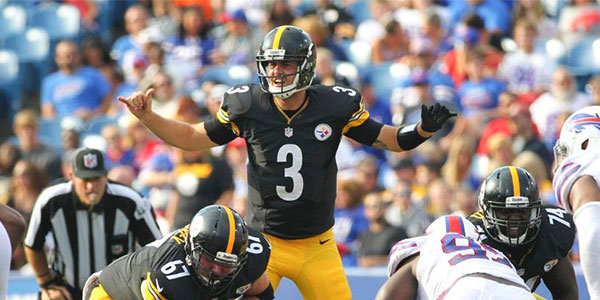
column 515, row 180
column 231, row 229
column 278, row 35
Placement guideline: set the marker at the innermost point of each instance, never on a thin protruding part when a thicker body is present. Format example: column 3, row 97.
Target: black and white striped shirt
column 88, row 240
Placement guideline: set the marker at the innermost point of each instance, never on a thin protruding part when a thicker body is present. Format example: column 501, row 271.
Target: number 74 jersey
column 447, row 257
column 292, row 169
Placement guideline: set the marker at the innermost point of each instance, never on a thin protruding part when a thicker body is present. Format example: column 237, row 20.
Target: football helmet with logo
column 216, row 246
column 292, row 44
column 580, row 132
column 511, row 206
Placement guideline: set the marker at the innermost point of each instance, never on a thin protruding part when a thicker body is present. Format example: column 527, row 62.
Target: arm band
column 409, row 138
column 218, row 132
column 267, row 294
column 366, row 133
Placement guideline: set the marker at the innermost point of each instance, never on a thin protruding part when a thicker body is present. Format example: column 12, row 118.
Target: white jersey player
column 577, row 186
column 12, row 230
column 449, row 263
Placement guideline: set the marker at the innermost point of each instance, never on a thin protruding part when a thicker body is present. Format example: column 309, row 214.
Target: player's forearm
column 37, row 260
column 178, row 134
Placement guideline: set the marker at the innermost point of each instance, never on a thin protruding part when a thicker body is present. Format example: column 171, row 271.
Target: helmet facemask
column 513, row 222
column 303, row 76
column 215, row 279
column 287, row 44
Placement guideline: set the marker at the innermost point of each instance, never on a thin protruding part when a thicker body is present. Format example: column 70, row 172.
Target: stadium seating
column 583, row 59
column 385, row 77
column 49, row 132
column 31, row 45
column 13, row 19
column 358, row 52
column 9, row 66
column 9, row 83
column 228, row 75
column 60, row 20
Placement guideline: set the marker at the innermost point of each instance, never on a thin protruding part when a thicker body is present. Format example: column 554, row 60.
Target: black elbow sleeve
column 409, row 138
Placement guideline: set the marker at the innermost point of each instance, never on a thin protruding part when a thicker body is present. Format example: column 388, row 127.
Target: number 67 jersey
column 162, row 265
column 448, row 252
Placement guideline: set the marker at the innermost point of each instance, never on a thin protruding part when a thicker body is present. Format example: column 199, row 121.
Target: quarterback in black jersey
column 215, row 257
column 536, row 238
column 292, row 130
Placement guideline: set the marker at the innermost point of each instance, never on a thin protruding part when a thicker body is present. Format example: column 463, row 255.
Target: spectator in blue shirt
column 478, row 96
column 74, row 89
column 127, row 47
column 495, row 13
column 191, row 49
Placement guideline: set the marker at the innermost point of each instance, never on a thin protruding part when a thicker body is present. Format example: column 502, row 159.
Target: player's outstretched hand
column 434, row 116
column 139, row 103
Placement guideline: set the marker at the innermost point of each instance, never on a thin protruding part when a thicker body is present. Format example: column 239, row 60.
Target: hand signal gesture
column 434, row 117
column 139, row 103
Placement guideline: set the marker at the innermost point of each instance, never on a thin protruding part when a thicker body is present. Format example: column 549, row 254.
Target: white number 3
column 241, row 89
column 292, row 172
column 340, row 89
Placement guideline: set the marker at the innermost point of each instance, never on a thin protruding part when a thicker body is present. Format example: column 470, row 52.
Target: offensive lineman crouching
column 216, row 257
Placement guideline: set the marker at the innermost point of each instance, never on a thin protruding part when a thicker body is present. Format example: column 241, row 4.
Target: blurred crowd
column 510, row 68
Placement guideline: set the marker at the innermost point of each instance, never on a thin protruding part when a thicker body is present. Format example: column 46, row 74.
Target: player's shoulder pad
column 340, row 99
column 571, row 169
column 557, row 229
column 476, row 218
column 238, row 99
column 403, row 250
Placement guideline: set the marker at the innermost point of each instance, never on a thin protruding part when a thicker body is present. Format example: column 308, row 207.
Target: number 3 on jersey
column 292, row 172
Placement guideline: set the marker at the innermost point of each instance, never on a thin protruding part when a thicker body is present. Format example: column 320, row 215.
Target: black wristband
column 267, row 294
column 409, row 138
column 48, row 283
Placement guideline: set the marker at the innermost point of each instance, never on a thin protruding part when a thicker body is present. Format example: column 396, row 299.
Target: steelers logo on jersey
column 550, row 264
column 322, row 132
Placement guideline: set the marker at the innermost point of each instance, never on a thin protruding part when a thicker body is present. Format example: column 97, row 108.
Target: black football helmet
column 216, row 246
column 511, row 206
column 287, row 43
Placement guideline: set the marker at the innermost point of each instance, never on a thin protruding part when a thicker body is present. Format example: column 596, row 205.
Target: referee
column 93, row 222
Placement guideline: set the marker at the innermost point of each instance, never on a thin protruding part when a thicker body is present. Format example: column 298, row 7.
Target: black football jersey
column 292, row 169
column 554, row 241
column 162, row 265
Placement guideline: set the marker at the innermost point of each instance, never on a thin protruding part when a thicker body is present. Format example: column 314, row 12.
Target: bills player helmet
column 511, row 206
column 291, row 44
column 453, row 224
column 580, row 132
column 216, row 246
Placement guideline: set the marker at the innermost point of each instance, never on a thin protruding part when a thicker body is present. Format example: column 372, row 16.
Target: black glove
column 434, row 117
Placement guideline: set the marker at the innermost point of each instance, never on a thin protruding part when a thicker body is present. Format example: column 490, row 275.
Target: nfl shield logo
column 288, row 132
column 90, row 161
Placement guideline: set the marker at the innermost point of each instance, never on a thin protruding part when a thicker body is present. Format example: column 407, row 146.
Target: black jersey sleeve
column 236, row 101
column 560, row 229
column 354, row 108
column 366, row 133
column 259, row 252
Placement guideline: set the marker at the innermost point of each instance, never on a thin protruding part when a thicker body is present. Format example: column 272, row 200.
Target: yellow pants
column 98, row 293
column 313, row 264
